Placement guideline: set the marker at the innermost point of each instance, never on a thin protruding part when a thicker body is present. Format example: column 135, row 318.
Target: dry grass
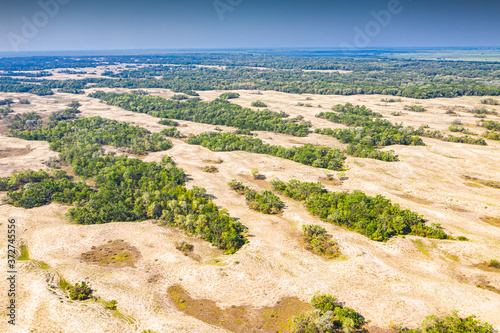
column 405, row 283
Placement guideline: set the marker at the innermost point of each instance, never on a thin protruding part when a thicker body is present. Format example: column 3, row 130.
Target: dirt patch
column 116, row 253
column 240, row 318
column 491, row 220
column 415, row 199
column 259, row 182
column 13, row 152
column 489, row 183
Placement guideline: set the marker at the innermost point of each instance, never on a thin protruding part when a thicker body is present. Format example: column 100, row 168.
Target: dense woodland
column 126, row 189
column 369, row 74
column 375, row 217
column 319, row 157
column 217, row 112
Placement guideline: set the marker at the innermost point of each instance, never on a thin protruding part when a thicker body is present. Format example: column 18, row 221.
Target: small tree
column 255, row 173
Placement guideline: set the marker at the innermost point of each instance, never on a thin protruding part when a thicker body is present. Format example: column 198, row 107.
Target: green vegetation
column 415, row 108
column 366, row 132
column 229, row 95
column 210, row 169
column 80, row 292
column 259, row 104
column 297, row 190
column 450, row 324
column 490, row 124
column 168, row 122
column 172, row 133
column 265, row 202
column 423, row 131
column 494, row 263
column 217, row 112
column 24, row 121
column 4, row 112
column 392, row 100
column 184, row 247
column 134, row 139
column 70, row 113
column 490, row 101
column 30, row 189
column 178, row 97
column 319, row 242
column 329, row 316
column 374, row 217
column 127, row 189
column 456, row 127
column 319, row 157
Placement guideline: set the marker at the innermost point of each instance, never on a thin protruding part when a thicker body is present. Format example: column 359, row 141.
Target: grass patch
column 240, row 319
column 421, row 247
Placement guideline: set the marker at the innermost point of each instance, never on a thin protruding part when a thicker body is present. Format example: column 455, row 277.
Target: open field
column 400, row 281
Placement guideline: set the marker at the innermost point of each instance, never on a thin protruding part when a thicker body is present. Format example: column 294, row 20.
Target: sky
column 59, row 25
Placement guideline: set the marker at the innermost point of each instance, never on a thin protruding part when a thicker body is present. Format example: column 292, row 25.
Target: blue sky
column 148, row 24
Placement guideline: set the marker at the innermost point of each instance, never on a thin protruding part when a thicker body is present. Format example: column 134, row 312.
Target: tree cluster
column 130, row 189
column 328, row 317
column 319, row 242
column 217, row 112
column 319, row 157
column 375, row 217
column 265, row 202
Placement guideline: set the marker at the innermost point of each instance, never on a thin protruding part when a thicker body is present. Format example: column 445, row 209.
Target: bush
column 184, row 247
column 80, row 292
column 172, row 133
column 450, row 324
column 210, row 169
column 489, row 101
column 328, row 317
column 24, row 101
column 168, row 122
column 259, row 104
column 265, row 202
column 297, row 190
column 178, row 97
column 415, row 108
column 319, row 242
column 494, row 263
column 229, row 95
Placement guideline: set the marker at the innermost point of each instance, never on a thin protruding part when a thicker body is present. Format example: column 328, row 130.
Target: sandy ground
column 400, row 281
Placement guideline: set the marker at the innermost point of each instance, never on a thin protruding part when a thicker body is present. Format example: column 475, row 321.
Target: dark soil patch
column 491, row 220
column 116, row 253
column 240, row 319
column 13, row 152
column 415, row 199
column 484, row 182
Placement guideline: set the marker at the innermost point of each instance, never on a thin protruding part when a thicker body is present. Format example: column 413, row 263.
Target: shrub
column 229, row 95
column 24, row 101
column 328, row 317
column 259, row 104
column 319, row 242
column 494, row 263
column 489, row 101
column 265, row 202
column 80, row 292
column 178, row 97
column 415, row 108
column 210, row 169
column 184, row 247
column 168, row 122
column 450, row 324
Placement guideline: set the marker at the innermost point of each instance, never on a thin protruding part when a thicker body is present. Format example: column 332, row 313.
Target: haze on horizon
column 52, row 25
